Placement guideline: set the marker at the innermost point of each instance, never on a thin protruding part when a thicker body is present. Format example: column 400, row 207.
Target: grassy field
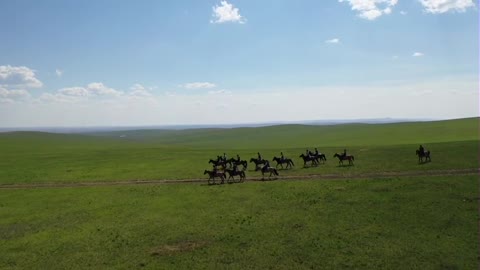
column 407, row 223
column 417, row 222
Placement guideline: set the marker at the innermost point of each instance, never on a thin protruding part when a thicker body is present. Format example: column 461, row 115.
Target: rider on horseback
column 316, row 151
column 267, row 164
column 259, row 156
column 421, row 150
column 238, row 158
column 281, row 156
column 344, row 153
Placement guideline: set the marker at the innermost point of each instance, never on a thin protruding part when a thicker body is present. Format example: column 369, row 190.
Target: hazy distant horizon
column 86, row 129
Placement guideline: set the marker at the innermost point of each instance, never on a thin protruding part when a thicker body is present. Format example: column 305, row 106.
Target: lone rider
column 259, row 156
column 307, row 152
column 238, row 158
column 281, row 156
column 316, row 151
column 344, row 153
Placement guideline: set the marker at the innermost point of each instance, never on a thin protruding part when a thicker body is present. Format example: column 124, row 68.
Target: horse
column 233, row 172
column 258, row 162
column 268, row 169
column 320, row 156
column 312, row 159
column 341, row 158
column 425, row 154
column 235, row 162
column 217, row 163
column 281, row 161
column 213, row 174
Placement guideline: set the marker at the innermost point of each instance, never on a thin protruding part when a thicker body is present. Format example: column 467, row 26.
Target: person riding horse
column 238, row 158
column 259, row 156
column 344, row 153
column 281, row 156
column 421, row 150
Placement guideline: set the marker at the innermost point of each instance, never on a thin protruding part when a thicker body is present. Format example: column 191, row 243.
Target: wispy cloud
column 332, row 41
column 403, row 12
column 198, row 85
column 59, row 72
column 417, row 54
column 371, row 9
column 226, row 12
column 442, row 6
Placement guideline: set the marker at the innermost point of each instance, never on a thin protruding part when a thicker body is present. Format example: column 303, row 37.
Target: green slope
column 304, row 135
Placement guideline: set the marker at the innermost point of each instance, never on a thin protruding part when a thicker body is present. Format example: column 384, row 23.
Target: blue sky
column 88, row 63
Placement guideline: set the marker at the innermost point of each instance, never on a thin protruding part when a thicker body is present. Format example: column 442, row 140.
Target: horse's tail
column 353, row 158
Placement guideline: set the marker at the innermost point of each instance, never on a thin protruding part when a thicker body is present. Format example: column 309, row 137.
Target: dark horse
column 258, row 162
column 281, row 161
column 213, row 174
column 232, row 173
column 341, row 158
column 312, row 159
column 425, row 154
column 234, row 162
column 268, row 169
column 218, row 162
column 321, row 157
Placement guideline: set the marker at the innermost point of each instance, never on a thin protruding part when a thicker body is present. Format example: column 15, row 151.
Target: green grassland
column 149, row 155
column 407, row 223
column 410, row 222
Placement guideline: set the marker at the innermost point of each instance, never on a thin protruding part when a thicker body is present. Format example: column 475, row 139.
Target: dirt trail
column 281, row 178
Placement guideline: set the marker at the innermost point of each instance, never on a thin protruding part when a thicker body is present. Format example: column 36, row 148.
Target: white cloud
column 59, row 72
column 395, row 57
column 219, row 92
column 100, row 89
column 442, row 6
column 403, row 12
column 417, row 54
column 95, row 89
column 10, row 96
column 18, row 77
column 55, row 98
column 226, row 12
column 198, row 85
column 139, row 90
column 371, row 9
column 332, row 41
column 6, row 101
column 74, row 91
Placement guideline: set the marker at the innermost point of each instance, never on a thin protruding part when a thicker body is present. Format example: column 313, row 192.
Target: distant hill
column 182, row 127
column 276, row 136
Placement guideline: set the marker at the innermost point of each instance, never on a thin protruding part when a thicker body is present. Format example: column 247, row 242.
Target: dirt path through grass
column 376, row 175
